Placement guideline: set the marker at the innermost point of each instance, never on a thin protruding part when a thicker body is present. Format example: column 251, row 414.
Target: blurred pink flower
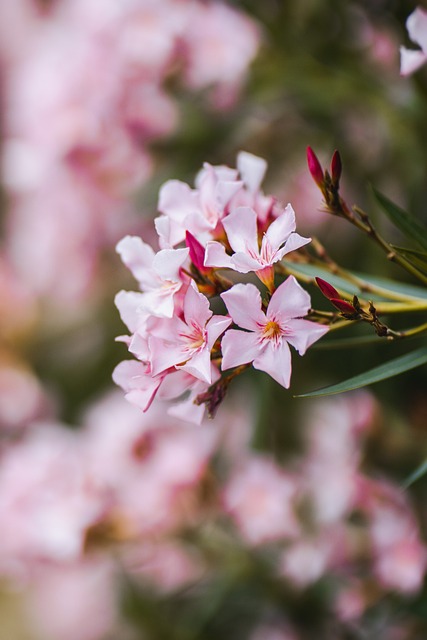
column 260, row 498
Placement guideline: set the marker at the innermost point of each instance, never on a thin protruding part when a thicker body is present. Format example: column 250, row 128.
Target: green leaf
column 403, row 220
column 382, row 372
column 302, row 269
column 416, row 475
column 417, row 258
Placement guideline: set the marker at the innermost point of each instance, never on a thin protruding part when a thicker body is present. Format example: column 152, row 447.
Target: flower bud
column 336, row 167
column 197, row 252
column 315, row 168
column 327, row 289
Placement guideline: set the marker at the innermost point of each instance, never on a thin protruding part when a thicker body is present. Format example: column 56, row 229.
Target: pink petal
column 281, row 228
column 252, row 170
column 216, row 256
column 411, row 60
column 199, row 365
column 289, row 300
column 136, row 255
column 196, row 307
column 241, row 229
column 303, row 333
column 177, row 199
column 276, row 361
column 129, row 305
column 215, row 327
column 225, row 190
column 416, row 25
column 188, row 411
column 238, row 347
column 168, row 262
column 295, row 241
column 128, row 373
column 243, row 302
column 243, row 263
column 164, row 354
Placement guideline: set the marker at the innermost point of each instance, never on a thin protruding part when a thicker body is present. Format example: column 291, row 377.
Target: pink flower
column 260, row 499
column 186, row 344
column 265, row 341
column 242, row 232
column 411, row 60
column 157, row 273
column 196, row 210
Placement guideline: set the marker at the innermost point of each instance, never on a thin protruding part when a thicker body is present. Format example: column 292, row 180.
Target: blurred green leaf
column 339, row 282
column 417, row 258
column 382, row 372
column 403, row 220
column 416, row 475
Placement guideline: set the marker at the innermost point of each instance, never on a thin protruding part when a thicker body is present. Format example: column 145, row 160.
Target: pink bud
column 315, row 167
column 197, row 252
column 327, row 289
column 336, row 167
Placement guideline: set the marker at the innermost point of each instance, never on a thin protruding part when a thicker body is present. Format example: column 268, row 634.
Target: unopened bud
column 327, row 289
column 315, row 168
column 336, row 168
column 197, row 252
column 344, row 306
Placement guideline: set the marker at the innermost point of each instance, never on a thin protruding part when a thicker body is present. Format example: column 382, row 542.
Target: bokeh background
column 282, row 519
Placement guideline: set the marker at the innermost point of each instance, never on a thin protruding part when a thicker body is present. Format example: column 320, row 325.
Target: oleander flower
column 242, row 233
column 268, row 334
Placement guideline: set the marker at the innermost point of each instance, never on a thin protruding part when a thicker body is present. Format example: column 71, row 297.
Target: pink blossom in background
column 95, row 72
column 72, row 601
column 413, row 59
column 260, row 498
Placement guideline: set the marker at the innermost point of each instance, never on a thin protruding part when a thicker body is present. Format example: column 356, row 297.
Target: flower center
column 194, row 339
column 272, row 330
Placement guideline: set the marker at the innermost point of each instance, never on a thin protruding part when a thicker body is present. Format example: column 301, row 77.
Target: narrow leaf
column 416, row 475
column 382, row 372
column 403, row 220
column 417, row 258
column 311, row 271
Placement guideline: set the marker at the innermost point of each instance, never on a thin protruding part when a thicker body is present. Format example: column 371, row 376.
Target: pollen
column 272, row 330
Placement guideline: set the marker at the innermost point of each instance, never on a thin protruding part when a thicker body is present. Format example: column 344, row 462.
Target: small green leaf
column 415, row 475
column 382, row 372
column 403, row 220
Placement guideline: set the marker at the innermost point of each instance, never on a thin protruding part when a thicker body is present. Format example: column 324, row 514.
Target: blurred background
column 282, row 519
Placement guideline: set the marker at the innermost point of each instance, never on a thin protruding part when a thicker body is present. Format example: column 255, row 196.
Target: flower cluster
column 227, row 225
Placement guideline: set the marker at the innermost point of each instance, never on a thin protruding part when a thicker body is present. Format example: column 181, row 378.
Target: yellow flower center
column 272, row 330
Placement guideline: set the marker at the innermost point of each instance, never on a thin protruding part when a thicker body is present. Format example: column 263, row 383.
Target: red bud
column 343, row 306
column 315, row 168
column 197, row 251
column 336, row 167
column 327, row 289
